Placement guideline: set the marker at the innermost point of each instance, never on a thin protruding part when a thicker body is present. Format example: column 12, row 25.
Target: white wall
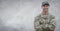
column 18, row 15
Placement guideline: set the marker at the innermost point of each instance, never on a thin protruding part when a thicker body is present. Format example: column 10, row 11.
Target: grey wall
column 18, row 15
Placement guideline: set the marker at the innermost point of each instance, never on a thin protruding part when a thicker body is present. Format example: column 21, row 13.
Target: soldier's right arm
column 37, row 25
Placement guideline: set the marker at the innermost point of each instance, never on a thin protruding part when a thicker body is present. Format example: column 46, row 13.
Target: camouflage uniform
column 44, row 23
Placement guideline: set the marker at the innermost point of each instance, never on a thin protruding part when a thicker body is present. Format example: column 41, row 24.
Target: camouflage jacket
column 44, row 22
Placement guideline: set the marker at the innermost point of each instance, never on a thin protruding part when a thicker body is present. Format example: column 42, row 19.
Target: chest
column 43, row 20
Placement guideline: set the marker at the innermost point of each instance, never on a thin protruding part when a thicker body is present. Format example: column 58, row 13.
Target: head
column 45, row 7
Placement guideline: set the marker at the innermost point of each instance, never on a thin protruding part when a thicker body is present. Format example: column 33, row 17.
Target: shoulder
column 38, row 16
column 52, row 16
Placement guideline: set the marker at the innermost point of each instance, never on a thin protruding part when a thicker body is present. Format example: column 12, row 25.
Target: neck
column 45, row 13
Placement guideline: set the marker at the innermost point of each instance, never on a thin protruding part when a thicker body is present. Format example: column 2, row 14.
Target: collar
column 44, row 16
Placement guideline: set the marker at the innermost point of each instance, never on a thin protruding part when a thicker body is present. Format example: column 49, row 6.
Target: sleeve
column 37, row 26
column 52, row 24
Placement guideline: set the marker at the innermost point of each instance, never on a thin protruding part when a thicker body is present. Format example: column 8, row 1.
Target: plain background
column 18, row 15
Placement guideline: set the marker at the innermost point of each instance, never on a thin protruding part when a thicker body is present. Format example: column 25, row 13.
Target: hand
column 45, row 26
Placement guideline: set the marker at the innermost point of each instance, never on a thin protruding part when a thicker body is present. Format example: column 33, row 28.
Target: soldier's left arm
column 52, row 24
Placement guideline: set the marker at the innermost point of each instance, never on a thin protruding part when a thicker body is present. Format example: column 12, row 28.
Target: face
column 45, row 8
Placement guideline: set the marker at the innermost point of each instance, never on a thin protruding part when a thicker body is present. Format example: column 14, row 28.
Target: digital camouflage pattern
column 44, row 23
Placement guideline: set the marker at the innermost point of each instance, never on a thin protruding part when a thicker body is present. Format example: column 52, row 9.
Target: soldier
column 45, row 21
